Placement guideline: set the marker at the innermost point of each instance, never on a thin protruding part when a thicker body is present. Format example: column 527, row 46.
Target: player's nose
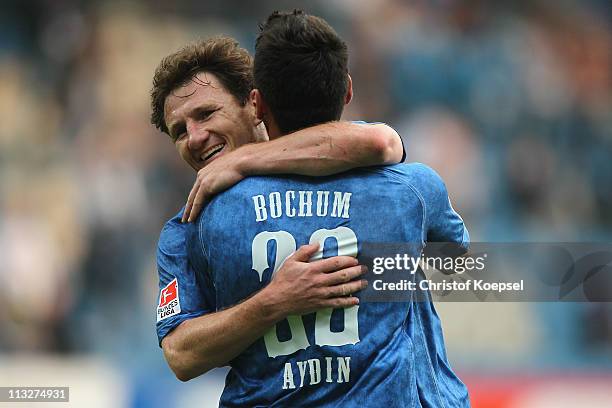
column 197, row 136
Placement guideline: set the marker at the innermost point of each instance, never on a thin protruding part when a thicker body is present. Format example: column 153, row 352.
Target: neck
column 260, row 133
column 273, row 130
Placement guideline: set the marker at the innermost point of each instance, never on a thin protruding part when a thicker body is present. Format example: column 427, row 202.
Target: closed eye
column 178, row 132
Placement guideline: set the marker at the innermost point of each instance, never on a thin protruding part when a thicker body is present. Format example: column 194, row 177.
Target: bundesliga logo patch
column 169, row 304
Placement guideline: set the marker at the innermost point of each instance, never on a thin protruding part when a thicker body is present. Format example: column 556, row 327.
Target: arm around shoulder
column 323, row 150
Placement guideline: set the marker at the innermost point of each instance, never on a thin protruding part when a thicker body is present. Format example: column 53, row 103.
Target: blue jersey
column 182, row 291
column 373, row 354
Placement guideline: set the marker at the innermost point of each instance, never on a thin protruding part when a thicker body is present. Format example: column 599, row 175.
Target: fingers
column 348, row 288
column 344, row 275
column 341, row 302
column 198, row 202
column 195, row 202
column 304, row 253
column 335, row 264
column 190, row 199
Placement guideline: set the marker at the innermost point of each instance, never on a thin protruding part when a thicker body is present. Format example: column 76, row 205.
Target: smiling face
column 205, row 121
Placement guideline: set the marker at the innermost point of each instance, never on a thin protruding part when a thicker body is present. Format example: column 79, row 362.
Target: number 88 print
column 285, row 246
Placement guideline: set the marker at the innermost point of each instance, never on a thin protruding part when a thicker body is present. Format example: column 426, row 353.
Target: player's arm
column 320, row 150
column 183, row 295
column 323, row 150
column 444, row 226
column 197, row 345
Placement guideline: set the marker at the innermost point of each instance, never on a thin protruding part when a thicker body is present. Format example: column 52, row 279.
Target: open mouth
column 211, row 152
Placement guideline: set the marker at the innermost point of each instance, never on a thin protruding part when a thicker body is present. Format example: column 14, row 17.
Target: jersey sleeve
column 183, row 293
column 442, row 222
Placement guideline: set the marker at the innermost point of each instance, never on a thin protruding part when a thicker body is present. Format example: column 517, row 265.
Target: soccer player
column 201, row 99
column 299, row 350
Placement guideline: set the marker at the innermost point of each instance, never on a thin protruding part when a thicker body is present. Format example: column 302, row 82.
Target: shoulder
column 418, row 171
column 254, row 185
column 173, row 235
column 424, row 181
column 419, row 175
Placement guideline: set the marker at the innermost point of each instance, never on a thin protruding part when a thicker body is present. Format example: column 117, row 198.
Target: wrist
column 245, row 160
column 268, row 307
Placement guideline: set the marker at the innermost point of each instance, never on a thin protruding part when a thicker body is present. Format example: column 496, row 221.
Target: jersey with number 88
column 347, row 245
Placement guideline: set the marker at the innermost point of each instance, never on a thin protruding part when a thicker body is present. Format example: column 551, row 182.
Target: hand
column 221, row 174
column 300, row 287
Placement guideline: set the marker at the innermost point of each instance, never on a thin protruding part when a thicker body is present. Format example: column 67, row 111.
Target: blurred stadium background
column 510, row 101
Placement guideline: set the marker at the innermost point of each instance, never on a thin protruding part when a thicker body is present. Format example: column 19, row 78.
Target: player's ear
column 349, row 90
column 260, row 105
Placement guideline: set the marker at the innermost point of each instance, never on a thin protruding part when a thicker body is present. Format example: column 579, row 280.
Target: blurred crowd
column 511, row 102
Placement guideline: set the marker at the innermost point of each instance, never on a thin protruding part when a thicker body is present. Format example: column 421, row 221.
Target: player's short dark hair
column 221, row 56
column 301, row 70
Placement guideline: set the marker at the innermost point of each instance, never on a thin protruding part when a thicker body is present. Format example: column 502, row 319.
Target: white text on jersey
column 301, row 204
column 338, row 371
